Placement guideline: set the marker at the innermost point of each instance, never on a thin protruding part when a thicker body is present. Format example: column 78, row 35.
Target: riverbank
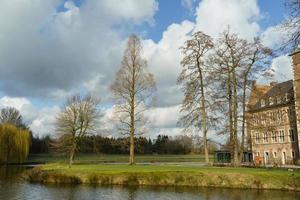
column 167, row 175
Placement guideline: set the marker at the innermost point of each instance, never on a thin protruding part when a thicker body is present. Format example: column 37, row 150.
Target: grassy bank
column 103, row 158
column 167, row 175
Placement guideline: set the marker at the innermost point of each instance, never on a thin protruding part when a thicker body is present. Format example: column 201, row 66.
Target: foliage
column 96, row 144
column 40, row 144
column 14, row 143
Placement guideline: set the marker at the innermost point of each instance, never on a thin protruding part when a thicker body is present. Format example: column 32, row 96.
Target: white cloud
column 45, row 52
column 17, row 103
column 189, row 4
column 272, row 37
column 44, row 122
column 213, row 17
column 282, row 67
column 136, row 10
column 164, row 60
column 163, row 117
column 40, row 121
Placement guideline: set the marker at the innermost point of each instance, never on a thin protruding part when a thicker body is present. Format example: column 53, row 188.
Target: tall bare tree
column 256, row 61
column 228, row 57
column 133, row 90
column 194, row 84
column 77, row 119
column 237, row 61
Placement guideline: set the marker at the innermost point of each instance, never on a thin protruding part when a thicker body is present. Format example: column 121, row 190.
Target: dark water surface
column 13, row 187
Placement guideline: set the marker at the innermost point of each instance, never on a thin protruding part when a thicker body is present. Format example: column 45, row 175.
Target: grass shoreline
column 166, row 175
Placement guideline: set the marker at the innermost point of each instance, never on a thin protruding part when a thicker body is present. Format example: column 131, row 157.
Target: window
column 281, row 136
column 257, row 138
column 275, row 154
column 271, row 101
column 279, row 114
column 290, row 112
column 262, row 103
column 287, row 97
column 291, row 135
column 266, row 138
column 293, row 154
column 272, row 116
column 274, row 136
column 278, row 99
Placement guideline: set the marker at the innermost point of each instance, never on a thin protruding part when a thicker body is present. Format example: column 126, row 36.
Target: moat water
column 12, row 187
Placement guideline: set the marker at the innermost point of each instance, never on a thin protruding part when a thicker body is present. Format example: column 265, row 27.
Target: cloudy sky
column 52, row 49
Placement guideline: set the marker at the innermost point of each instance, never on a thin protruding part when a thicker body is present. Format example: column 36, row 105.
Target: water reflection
column 10, row 171
column 12, row 187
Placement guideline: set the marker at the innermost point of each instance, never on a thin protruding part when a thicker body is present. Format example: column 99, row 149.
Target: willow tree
column 194, row 84
column 14, row 144
column 133, row 91
column 77, row 119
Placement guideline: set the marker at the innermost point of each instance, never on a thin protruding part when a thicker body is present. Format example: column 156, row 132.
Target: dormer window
column 279, row 99
column 286, row 97
column 271, row 101
column 262, row 103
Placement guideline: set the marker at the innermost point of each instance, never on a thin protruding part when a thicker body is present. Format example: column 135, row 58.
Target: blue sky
column 81, row 43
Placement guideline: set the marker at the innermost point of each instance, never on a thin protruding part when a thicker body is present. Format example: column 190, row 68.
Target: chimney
column 273, row 83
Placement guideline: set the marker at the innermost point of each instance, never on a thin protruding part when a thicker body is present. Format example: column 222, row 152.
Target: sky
column 52, row 49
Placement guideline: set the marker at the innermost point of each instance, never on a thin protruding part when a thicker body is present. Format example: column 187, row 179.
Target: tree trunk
column 132, row 119
column 243, row 120
column 72, row 153
column 131, row 156
column 229, row 93
column 204, row 117
column 235, row 114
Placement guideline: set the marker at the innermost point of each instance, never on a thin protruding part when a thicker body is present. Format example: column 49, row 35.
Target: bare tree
column 228, row 57
column 194, row 84
column 236, row 62
column 290, row 27
column 77, row 119
column 256, row 61
column 11, row 115
column 133, row 90
column 292, row 24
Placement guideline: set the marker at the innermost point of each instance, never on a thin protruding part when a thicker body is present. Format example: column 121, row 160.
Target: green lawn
column 183, row 174
column 94, row 158
column 146, row 168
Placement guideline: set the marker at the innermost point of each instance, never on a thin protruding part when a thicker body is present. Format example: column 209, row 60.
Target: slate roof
column 279, row 90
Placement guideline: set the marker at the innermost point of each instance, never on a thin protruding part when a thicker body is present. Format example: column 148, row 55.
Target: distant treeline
column 108, row 145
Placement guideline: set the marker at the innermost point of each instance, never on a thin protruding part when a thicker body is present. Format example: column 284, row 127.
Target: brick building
column 273, row 119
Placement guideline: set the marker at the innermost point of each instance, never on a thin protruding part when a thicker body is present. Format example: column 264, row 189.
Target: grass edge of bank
column 152, row 175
